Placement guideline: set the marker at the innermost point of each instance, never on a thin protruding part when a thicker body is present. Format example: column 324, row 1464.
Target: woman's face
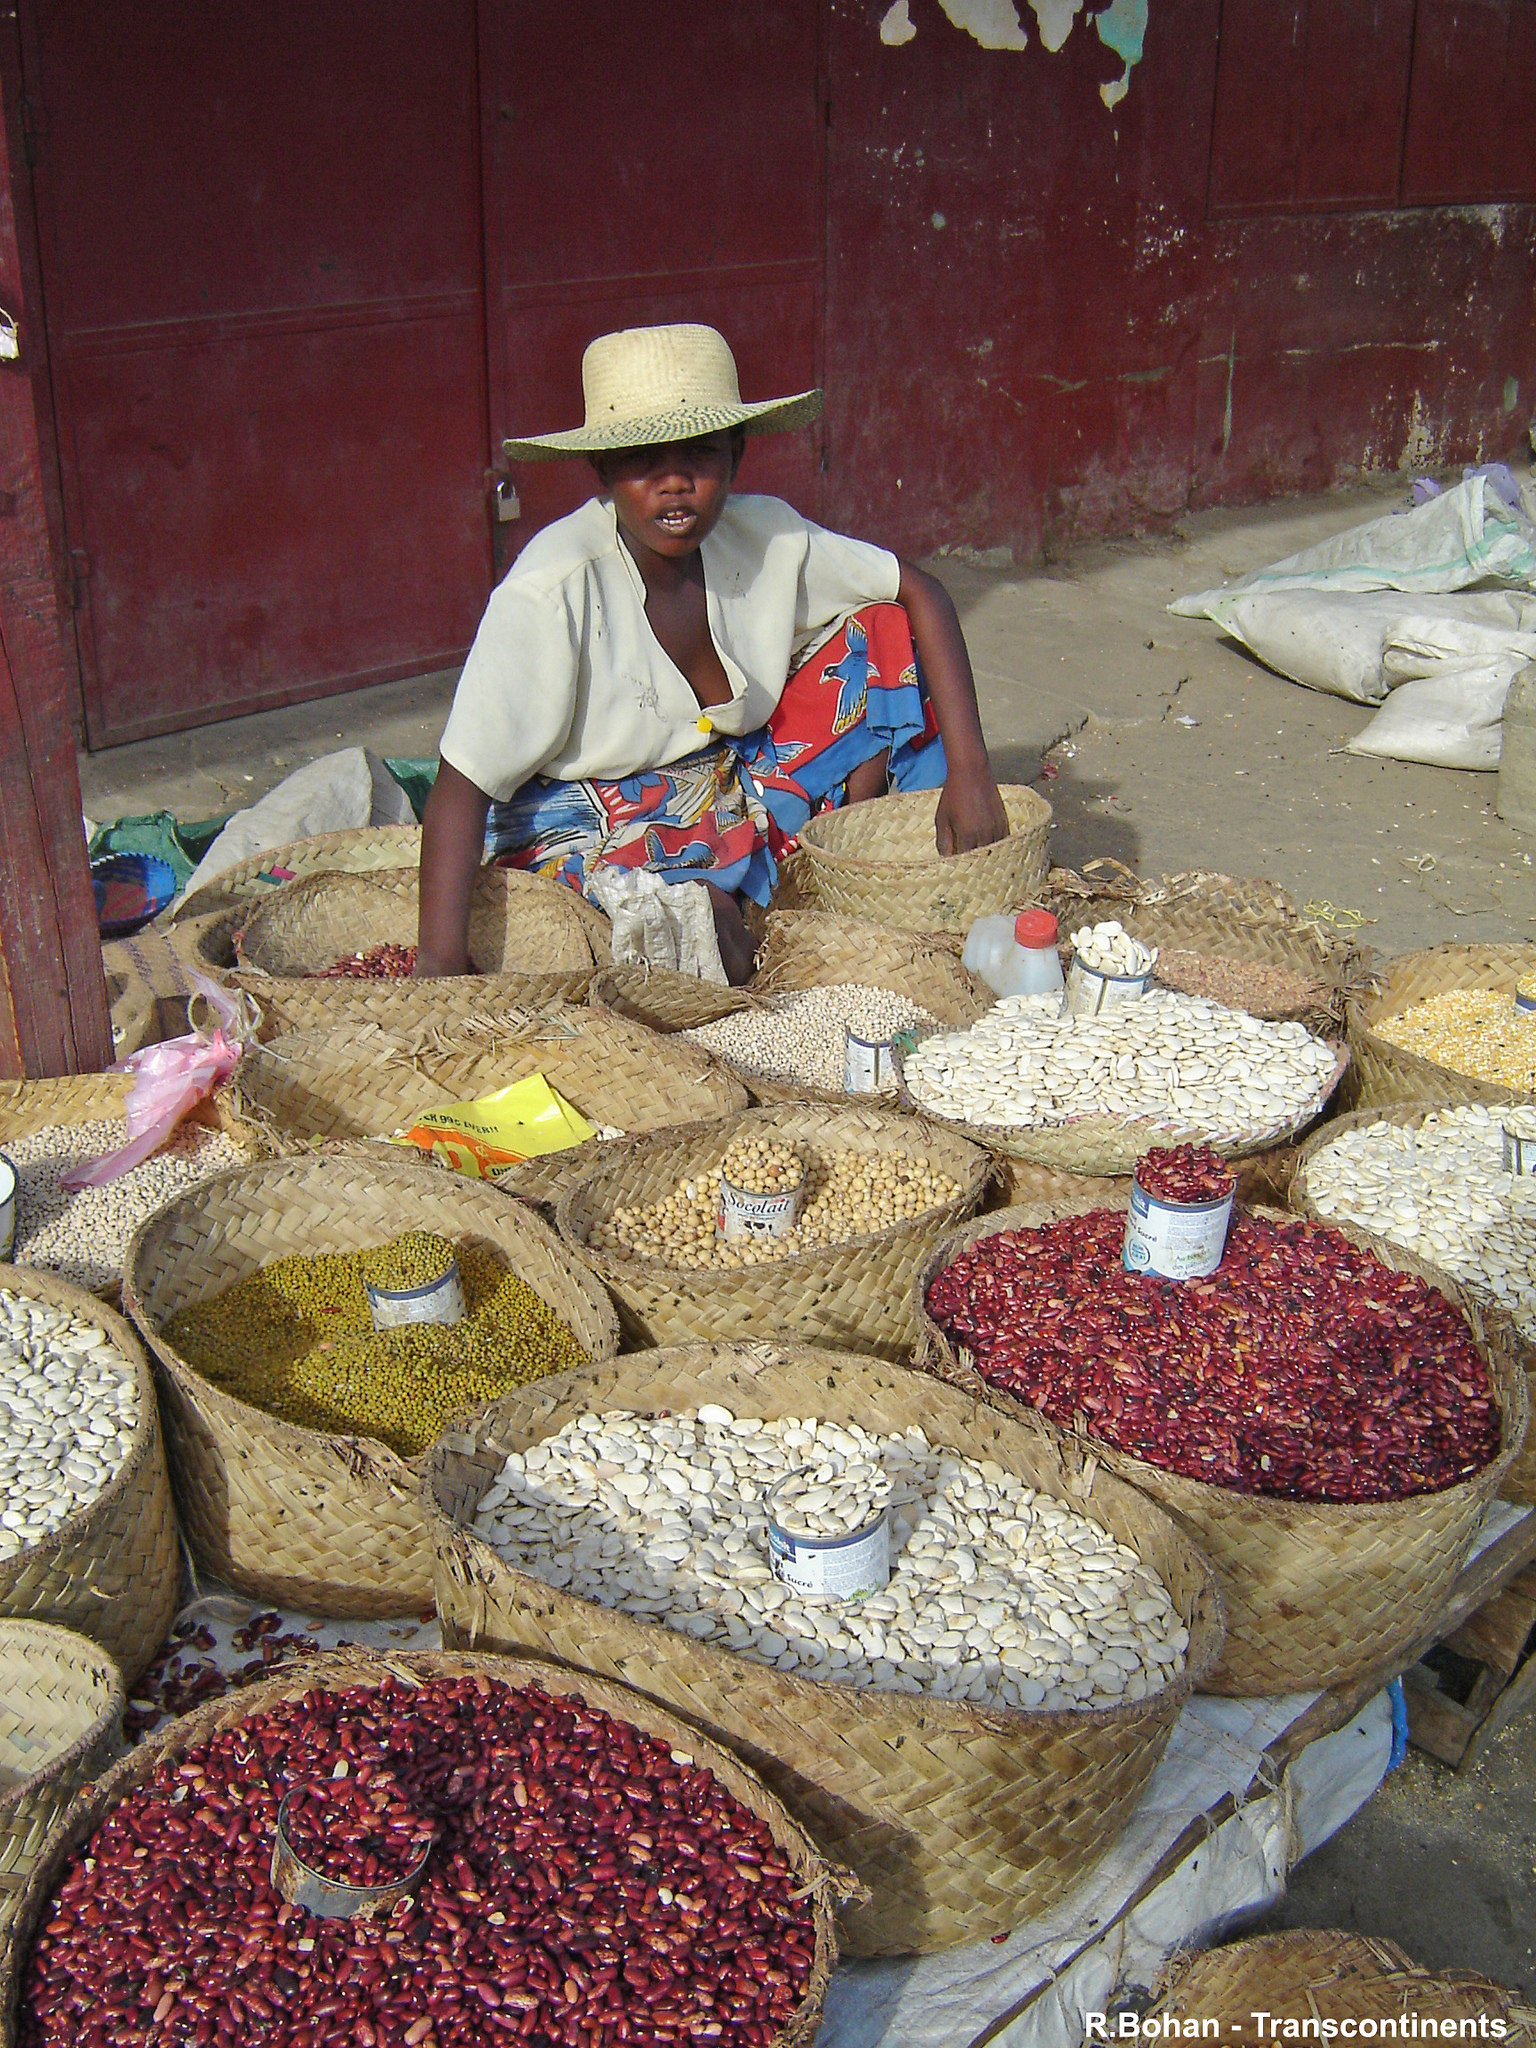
column 668, row 498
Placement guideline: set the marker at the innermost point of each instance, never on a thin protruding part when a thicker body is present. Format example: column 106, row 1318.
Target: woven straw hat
column 649, row 385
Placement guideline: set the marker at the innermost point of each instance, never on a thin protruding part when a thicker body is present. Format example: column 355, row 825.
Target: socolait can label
column 1090, row 994
column 869, row 1066
column 439, row 1301
column 1175, row 1240
column 740, row 1213
column 844, row 1568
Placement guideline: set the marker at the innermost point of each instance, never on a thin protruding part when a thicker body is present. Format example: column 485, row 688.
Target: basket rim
column 367, row 1458
column 40, row 1283
column 354, row 1668
column 221, row 890
column 951, row 1715
column 20, row 1630
column 700, row 1131
column 1366, row 1011
column 1505, row 1377
column 1036, row 810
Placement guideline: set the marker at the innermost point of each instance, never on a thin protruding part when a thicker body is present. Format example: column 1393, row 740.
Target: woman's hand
column 970, row 812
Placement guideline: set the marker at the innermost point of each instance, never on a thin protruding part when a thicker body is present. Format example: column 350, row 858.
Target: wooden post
column 54, row 1016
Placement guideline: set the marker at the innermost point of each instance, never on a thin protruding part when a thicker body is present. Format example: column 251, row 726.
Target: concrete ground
column 1172, row 749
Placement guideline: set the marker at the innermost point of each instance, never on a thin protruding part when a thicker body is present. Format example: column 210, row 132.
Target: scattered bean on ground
column 802, row 1038
column 999, row 1594
column 586, row 1883
column 1185, row 1064
column 1441, row 1191
column 84, row 1237
column 1473, row 1031
column 1303, row 1368
column 69, row 1412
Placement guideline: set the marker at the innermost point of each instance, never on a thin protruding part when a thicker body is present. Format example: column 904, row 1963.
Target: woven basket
column 1314, row 1974
column 1385, row 1074
column 135, row 1012
column 1105, row 1147
column 61, row 1711
column 328, row 1524
column 878, row 860
column 356, row 852
column 963, row 1822
column 113, row 1570
column 1520, row 1480
column 346, row 1669
column 854, row 1296
column 1315, row 1594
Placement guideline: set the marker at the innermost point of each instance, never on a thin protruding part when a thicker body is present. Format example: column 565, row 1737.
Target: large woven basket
column 113, row 1570
column 1384, row 1073
column 878, row 860
column 963, row 1821
column 1315, row 1594
column 1520, row 1480
column 348, row 1669
column 1313, row 1975
column 135, row 1010
column 330, row 1524
column 356, row 852
column 61, row 1714
column 854, row 1296
column 1107, row 1147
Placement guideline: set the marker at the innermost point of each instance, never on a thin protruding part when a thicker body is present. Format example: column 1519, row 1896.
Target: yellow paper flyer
column 525, row 1120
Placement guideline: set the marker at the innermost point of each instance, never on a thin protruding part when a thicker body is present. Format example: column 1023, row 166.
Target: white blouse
column 567, row 679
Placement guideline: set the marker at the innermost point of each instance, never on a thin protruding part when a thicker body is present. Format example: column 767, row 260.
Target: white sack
column 658, row 923
column 1465, row 536
column 1337, row 640
column 1452, row 718
column 334, row 794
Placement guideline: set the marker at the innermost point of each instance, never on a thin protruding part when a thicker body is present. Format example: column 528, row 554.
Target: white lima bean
column 1440, row 1191
column 69, row 1411
column 1185, row 1064
column 1108, row 948
column 84, row 1237
column 802, row 1038
column 999, row 1595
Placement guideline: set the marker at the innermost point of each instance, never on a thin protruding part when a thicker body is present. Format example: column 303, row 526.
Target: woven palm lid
column 357, row 851
column 963, row 1821
column 113, row 1569
column 647, row 386
column 664, row 1001
column 28, row 1106
column 368, row 1081
column 343, row 1670
column 1315, row 1594
column 330, row 1524
column 1520, row 1480
column 1386, row 1073
column 1314, row 1974
column 61, row 1708
column 1106, row 1146
column 853, row 1296
column 879, row 860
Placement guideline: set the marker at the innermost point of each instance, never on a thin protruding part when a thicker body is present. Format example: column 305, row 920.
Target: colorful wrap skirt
column 729, row 814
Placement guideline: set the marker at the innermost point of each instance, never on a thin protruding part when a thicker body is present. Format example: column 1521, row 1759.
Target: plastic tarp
column 334, row 794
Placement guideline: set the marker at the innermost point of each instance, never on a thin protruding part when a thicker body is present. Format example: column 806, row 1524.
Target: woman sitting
column 677, row 679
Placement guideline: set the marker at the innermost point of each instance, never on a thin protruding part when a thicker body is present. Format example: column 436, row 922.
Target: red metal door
column 261, row 243
column 646, row 164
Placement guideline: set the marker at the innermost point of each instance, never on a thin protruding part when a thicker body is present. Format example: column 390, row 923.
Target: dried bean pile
column 1441, row 1191
column 1303, row 1368
column 762, row 1166
column 1184, row 1173
column 848, row 1194
column 587, row 1886
column 1258, row 987
column 297, row 1339
column 1473, row 1031
column 802, row 1038
column 388, row 962
column 999, row 1595
column 358, row 1830
column 69, row 1412
column 84, row 1237
column 1108, row 948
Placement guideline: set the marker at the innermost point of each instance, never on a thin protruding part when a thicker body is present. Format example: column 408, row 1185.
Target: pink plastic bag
column 169, row 1080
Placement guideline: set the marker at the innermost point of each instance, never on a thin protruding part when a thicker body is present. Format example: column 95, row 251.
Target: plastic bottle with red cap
column 1015, row 956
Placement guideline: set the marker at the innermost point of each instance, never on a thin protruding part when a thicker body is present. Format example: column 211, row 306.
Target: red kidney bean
column 357, row 1830
column 521, row 1929
column 388, row 962
column 1303, row 1368
column 1184, row 1173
